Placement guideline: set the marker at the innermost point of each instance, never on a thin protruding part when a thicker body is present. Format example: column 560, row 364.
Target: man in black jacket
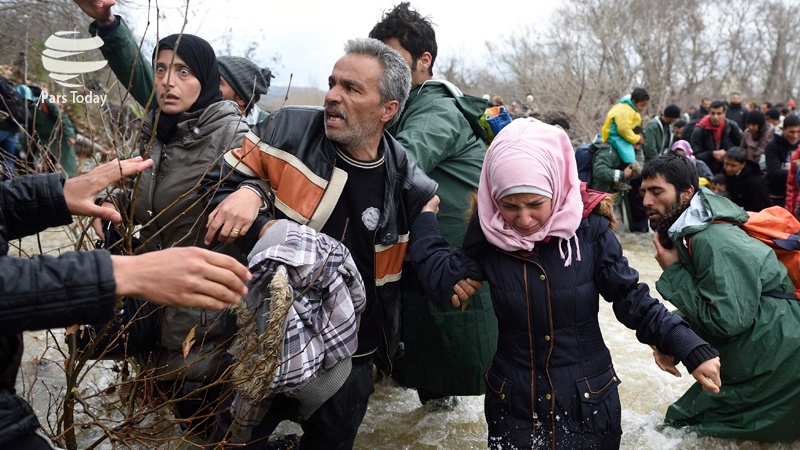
column 736, row 111
column 82, row 287
column 746, row 187
column 714, row 135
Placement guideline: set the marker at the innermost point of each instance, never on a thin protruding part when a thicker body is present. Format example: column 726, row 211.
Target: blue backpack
column 584, row 157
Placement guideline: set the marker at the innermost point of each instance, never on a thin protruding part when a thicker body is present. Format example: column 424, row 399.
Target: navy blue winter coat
column 551, row 359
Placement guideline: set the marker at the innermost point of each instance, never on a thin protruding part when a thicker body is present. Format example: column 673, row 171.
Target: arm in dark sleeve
column 438, row 267
column 618, row 283
column 52, row 292
column 32, row 203
column 775, row 167
column 700, row 152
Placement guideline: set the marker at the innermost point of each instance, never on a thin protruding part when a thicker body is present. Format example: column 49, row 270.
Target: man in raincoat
column 737, row 296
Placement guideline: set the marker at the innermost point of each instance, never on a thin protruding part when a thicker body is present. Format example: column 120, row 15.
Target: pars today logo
column 63, row 71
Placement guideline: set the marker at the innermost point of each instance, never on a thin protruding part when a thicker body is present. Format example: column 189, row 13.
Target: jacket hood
column 704, row 208
column 627, row 100
column 472, row 108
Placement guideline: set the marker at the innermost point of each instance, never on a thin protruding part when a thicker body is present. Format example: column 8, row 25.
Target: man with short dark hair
column 714, row 135
column 746, row 187
column 702, row 111
column 777, row 156
column 658, row 133
column 773, row 117
column 438, row 131
column 733, row 291
column 337, row 170
column 736, row 111
column 620, row 121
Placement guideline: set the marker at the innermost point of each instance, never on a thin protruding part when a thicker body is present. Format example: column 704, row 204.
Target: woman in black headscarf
column 185, row 132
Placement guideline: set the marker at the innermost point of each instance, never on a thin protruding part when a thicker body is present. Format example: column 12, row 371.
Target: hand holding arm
column 234, row 216
column 666, row 363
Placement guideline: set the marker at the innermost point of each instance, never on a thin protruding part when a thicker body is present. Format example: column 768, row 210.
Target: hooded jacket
column 618, row 127
column 753, row 147
column 722, row 287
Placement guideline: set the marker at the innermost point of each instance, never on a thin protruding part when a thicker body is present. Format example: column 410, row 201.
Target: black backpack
column 686, row 133
column 12, row 106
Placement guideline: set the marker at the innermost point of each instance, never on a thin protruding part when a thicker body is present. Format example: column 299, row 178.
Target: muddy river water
column 396, row 420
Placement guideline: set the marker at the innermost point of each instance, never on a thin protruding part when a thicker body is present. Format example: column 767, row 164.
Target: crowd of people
column 395, row 237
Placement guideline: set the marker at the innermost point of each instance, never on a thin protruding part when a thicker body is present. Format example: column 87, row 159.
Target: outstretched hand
column 707, row 374
column 80, row 192
column 181, row 276
column 99, row 10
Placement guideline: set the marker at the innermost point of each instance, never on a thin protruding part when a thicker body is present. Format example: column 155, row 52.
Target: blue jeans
column 8, row 148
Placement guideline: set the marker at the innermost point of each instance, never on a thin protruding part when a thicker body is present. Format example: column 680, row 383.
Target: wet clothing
column 618, row 127
column 748, row 188
column 445, row 351
column 722, row 287
column 552, row 383
column 41, row 292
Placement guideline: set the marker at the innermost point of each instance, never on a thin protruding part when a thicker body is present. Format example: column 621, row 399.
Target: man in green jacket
column 51, row 128
column 658, row 133
column 446, row 352
column 737, row 296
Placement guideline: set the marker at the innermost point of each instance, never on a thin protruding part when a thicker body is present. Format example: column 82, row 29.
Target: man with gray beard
column 337, row 170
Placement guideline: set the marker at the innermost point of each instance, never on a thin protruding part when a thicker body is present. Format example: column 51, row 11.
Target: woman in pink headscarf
column 545, row 246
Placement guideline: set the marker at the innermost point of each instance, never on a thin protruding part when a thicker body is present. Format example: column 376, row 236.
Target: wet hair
column 639, row 95
column 718, row 104
column 676, row 170
column 666, row 223
column 736, row 154
column 791, row 121
column 414, row 32
column 395, row 82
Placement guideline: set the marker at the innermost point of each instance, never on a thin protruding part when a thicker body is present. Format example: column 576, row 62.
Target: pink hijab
column 528, row 152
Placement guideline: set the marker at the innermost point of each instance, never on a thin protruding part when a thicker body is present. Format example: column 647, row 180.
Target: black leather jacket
column 294, row 140
column 43, row 291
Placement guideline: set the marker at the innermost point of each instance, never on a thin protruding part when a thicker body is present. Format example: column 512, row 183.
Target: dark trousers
column 331, row 427
column 200, row 410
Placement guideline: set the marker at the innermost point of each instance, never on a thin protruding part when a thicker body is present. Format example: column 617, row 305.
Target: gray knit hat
column 246, row 78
